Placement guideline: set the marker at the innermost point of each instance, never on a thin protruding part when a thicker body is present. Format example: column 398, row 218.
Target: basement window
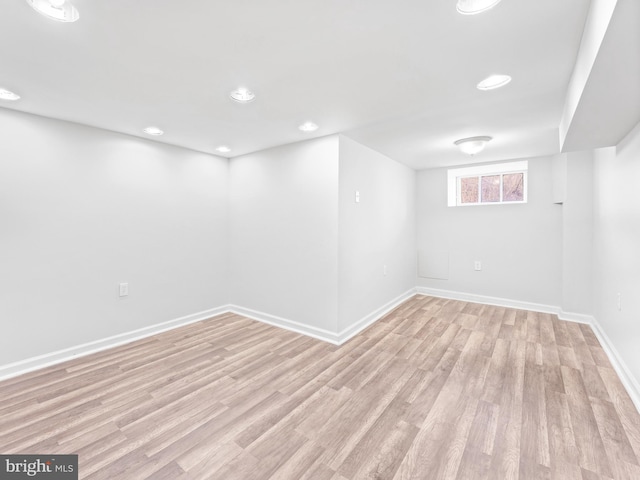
column 498, row 183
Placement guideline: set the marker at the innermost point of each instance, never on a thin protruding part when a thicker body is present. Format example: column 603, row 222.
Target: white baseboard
column 374, row 316
column 505, row 302
column 626, row 377
column 308, row 330
column 48, row 359
column 485, row 300
column 320, row 333
column 576, row 317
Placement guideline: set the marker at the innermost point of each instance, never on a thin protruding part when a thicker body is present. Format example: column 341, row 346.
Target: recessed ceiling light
column 242, row 95
column 472, row 145
column 8, row 95
column 473, row 7
column 223, row 149
column 494, row 81
column 61, row 10
column 155, row 131
column 308, row 127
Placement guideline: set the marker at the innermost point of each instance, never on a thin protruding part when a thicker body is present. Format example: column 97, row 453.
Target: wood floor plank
column 506, row 458
column 205, row 466
column 431, row 389
column 588, row 438
column 624, row 407
column 562, row 443
column 374, row 438
column 566, row 471
column 616, row 443
column 535, row 439
column 318, row 471
column 482, row 435
column 436, row 389
column 299, row 463
column 384, row 462
column 495, row 375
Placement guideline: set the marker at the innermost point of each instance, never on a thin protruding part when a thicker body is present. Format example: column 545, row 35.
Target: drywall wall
column 520, row 246
column 617, row 247
column 284, row 232
column 376, row 231
column 577, row 234
column 82, row 209
column 559, row 177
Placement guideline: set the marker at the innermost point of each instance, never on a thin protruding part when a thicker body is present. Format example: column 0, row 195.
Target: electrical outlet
column 384, row 270
column 477, row 265
column 124, row 289
column 619, row 302
column 357, row 196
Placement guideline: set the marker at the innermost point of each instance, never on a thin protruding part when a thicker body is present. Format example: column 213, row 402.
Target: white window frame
column 455, row 175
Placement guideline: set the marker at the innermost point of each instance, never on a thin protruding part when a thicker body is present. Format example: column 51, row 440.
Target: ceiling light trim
column 59, row 10
column 308, row 127
column 474, row 7
column 242, row 95
column 493, row 82
column 155, row 131
column 473, row 145
column 8, row 95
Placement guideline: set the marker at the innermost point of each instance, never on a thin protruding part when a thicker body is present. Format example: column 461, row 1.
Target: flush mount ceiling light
column 61, row 10
column 223, row 149
column 472, row 145
column 8, row 95
column 493, row 81
column 473, row 7
column 155, row 131
column 242, row 95
column 308, row 127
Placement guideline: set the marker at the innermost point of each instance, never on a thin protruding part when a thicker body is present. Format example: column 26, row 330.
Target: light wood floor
column 438, row 389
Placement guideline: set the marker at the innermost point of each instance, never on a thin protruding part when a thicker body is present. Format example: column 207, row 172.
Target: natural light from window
column 488, row 184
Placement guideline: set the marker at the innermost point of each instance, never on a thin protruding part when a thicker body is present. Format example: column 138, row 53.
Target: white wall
column 284, row 232
column 279, row 232
column 617, row 247
column 377, row 231
column 520, row 246
column 577, row 235
column 83, row 209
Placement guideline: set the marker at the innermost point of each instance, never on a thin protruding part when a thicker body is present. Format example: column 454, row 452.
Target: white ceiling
column 397, row 76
